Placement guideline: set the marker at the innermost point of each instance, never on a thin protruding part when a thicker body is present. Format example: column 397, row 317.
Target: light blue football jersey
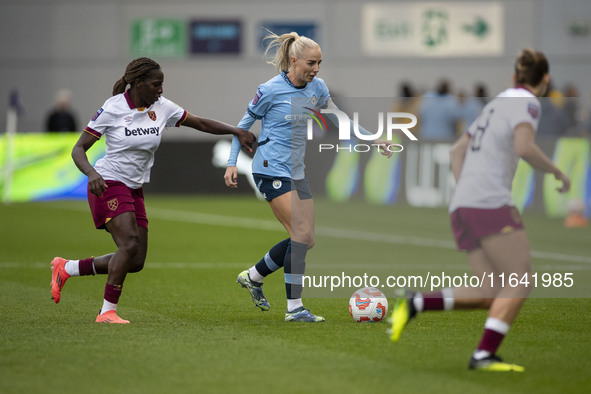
column 282, row 141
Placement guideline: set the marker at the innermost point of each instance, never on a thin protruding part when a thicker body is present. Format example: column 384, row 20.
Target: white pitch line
column 333, row 232
column 561, row 257
column 214, row 220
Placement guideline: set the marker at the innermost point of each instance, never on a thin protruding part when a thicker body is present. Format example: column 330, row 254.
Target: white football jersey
column 490, row 163
column 132, row 136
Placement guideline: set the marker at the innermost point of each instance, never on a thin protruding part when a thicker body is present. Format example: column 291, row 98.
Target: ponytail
column 119, row 86
column 287, row 46
column 135, row 71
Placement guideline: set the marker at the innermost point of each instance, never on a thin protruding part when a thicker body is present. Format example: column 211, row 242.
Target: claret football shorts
column 117, row 199
column 472, row 224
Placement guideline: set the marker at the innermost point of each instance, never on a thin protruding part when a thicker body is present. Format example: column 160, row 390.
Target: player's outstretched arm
column 213, row 126
column 526, row 148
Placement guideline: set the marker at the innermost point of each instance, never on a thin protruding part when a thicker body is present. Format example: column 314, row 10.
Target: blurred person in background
column 471, row 105
column 552, row 122
column 62, row 117
column 485, row 221
column 572, row 112
column 439, row 114
column 408, row 100
column 132, row 122
column 570, row 109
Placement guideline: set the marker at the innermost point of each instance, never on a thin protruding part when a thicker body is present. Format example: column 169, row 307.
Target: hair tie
column 124, row 81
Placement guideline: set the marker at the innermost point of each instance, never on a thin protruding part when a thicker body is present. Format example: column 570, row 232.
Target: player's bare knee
column 306, row 239
column 130, row 246
column 137, row 265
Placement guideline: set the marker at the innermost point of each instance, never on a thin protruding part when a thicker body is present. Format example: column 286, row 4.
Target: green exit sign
column 158, row 37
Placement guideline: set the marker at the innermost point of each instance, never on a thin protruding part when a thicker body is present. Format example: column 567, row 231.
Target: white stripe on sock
column 255, row 275
column 480, row 354
column 108, row 306
column 448, row 298
column 419, row 302
column 294, row 304
column 72, row 267
column 497, row 325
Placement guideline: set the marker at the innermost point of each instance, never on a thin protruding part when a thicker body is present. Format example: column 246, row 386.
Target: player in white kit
column 132, row 122
column 484, row 219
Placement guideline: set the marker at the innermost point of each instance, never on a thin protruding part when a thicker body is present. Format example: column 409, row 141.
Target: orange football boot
column 58, row 277
column 110, row 317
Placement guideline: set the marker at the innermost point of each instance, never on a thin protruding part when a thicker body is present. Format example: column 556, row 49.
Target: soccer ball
column 368, row 304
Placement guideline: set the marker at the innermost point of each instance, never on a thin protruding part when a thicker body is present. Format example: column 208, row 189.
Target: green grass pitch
column 194, row 330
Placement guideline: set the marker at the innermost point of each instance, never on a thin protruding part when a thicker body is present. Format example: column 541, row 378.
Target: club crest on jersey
column 128, row 119
column 152, row 115
column 98, row 113
column 277, row 184
column 257, row 97
column 113, row 204
column 533, row 110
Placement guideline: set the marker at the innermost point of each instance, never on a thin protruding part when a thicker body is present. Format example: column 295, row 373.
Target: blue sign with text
column 215, row 36
column 308, row 29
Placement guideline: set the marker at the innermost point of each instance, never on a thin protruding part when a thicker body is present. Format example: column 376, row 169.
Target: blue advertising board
column 212, row 36
column 308, row 29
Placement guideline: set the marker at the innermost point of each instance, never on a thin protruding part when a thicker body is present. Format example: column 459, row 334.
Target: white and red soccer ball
column 368, row 304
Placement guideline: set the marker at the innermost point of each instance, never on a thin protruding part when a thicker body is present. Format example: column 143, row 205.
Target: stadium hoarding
column 433, row 29
column 417, row 176
column 158, row 37
column 308, row 29
column 215, row 36
column 574, row 155
column 39, row 167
